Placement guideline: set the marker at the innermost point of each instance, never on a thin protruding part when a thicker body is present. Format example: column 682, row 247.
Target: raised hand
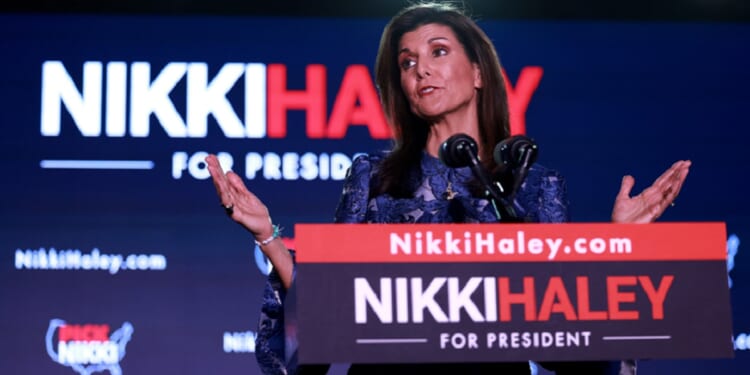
column 652, row 201
column 241, row 205
column 247, row 210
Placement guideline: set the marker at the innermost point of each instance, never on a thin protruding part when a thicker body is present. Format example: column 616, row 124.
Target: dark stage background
column 141, row 262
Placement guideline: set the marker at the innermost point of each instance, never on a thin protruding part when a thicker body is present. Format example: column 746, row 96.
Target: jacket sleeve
column 269, row 341
column 543, row 197
column 352, row 207
column 553, row 198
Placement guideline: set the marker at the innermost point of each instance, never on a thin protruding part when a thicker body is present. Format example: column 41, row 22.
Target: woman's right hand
column 247, row 210
column 241, row 205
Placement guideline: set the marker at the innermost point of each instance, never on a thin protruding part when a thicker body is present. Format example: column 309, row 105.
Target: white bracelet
column 275, row 235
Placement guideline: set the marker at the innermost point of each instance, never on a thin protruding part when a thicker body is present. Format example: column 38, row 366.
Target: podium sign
column 390, row 293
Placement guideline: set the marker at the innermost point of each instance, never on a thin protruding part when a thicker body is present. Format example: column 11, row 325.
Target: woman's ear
column 477, row 76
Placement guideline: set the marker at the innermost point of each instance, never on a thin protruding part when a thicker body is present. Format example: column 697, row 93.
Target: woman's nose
column 423, row 70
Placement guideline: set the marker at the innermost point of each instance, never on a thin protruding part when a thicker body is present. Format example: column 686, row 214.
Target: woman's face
column 436, row 74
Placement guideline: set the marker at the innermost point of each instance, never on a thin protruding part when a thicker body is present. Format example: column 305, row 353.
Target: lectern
column 372, row 293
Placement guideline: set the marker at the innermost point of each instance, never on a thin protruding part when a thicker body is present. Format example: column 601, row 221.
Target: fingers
column 239, row 191
column 670, row 182
column 219, row 179
column 214, row 167
column 676, row 173
column 625, row 187
column 679, row 177
column 666, row 188
column 235, row 183
column 662, row 182
column 244, row 198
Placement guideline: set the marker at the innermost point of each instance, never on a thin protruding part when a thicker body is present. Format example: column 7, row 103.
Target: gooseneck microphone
column 460, row 150
column 516, row 154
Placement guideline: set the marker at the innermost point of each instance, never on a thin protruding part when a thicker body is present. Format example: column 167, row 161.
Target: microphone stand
column 519, row 174
column 494, row 193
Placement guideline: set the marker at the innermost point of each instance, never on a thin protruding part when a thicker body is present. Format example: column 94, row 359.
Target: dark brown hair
column 410, row 132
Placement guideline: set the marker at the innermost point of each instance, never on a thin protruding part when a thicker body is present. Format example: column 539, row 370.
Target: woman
column 438, row 75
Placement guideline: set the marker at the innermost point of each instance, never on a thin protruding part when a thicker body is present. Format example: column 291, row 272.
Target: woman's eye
column 440, row 51
column 407, row 63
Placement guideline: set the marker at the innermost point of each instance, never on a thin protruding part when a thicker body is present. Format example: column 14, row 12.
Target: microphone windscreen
column 456, row 151
column 509, row 152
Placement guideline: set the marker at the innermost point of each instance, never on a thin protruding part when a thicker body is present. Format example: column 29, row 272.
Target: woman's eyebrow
column 405, row 49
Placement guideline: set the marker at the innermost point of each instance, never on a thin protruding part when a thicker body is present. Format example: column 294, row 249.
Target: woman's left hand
column 651, row 202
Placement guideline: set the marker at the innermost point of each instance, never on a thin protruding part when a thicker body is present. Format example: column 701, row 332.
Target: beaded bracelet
column 275, row 235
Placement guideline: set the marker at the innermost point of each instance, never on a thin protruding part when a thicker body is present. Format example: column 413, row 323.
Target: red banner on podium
column 372, row 293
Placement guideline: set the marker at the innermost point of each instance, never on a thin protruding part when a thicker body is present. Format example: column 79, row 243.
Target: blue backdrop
column 138, row 261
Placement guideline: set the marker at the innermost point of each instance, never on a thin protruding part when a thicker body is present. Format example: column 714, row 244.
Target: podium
column 417, row 293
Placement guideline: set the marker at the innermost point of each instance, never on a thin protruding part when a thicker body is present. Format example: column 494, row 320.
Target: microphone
column 458, row 151
column 516, row 153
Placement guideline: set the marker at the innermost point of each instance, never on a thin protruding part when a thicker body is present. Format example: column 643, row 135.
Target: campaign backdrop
column 116, row 256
